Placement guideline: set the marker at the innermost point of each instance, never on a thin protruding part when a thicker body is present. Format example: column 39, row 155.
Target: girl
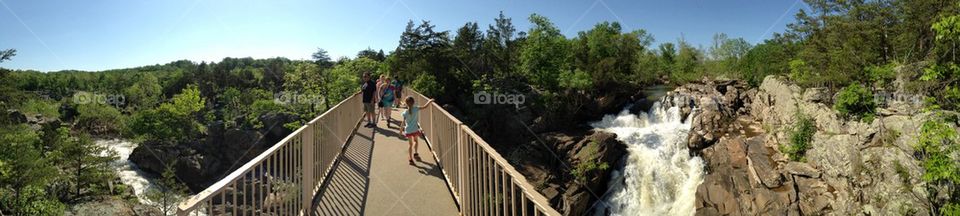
column 411, row 128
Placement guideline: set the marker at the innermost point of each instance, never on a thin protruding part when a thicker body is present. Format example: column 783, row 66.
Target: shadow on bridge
column 345, row 193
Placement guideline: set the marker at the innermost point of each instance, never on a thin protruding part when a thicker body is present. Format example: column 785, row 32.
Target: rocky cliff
column 851, row 168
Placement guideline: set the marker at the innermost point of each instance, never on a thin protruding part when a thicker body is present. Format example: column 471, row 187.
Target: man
column 368, row 88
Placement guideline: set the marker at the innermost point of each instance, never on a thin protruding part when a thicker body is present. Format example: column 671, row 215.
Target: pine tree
column 167, row 192
column 86, row 164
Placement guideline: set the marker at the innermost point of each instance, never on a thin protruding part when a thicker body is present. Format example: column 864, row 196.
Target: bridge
column 331, row 166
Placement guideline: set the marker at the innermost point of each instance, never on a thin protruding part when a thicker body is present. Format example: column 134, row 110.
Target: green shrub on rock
column 937, row 149
column 856, row 102
column 800, row 138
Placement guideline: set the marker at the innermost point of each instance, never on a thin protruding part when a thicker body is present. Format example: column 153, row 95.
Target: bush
column 937, row 148
column 856, row 102
column 49, row 109
column 577, row 80
column 99, row 119
column 800, row 138
column 427, row 85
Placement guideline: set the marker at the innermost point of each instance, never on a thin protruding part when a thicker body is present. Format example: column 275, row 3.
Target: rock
column 731, row 188
column 16, row 117
column 816, row 95
column 802, row 169
column 763, row 167
column 814, row 196
column 710, row 105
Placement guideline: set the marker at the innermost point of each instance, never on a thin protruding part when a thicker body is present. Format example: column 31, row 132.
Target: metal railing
column 274, row 182
column 482, row 182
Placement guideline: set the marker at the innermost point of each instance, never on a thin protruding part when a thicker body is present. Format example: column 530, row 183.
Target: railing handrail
column 191, row 203
column 314, row 120
column 519, row 179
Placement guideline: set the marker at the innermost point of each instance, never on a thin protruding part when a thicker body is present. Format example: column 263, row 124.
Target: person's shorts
column 415, row 133
column 386, row 104
column 368, row 107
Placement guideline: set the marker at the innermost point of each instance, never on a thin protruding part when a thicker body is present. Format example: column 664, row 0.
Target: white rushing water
column 129, row 173
column 659, row 177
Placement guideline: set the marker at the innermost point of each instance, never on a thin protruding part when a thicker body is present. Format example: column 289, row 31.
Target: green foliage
column 172, row 121
column 881, row 76
column 801, row 74
column 167, row 193
column 427, row 85
column 7, row 54
column 545, row 54
column 608, row 54
column 99, row 119
column 146, row 92
column 577, row 80
column 33, row 200
column 27, row 171
column 687, row 66
column 938, row 148
column 86, row 164
column 768, row 58
column 47, row 108
column 856, row 102
column 588, row 162
column 800, row 137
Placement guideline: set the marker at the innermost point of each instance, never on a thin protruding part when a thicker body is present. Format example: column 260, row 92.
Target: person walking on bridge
column 411, row 127
column 368, row 89
column 387, row 95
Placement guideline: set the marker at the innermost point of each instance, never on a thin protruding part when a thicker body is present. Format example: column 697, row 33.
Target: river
column 659, row 176
column 127, row 170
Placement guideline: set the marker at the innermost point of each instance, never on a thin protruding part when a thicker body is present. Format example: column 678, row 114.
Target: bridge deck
column 372, row 177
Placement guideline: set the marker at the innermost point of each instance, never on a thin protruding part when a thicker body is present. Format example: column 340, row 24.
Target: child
column 411, row 128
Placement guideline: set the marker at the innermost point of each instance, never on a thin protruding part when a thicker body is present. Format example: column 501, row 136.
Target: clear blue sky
column 107, row 34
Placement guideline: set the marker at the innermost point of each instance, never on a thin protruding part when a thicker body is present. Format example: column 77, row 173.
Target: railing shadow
column 345, row 192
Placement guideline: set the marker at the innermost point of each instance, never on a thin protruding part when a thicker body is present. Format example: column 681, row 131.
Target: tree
column 26, row 170
column 86, row 163
column 5, row 55
column 167, row 193
column 172, row 121
column 545, row 54
column 371, row 54
column 608, row 54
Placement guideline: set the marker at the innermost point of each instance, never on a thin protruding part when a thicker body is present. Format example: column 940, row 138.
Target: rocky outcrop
column 201, row 163
column 711, row 106
column 573, row 173
column 851, row 167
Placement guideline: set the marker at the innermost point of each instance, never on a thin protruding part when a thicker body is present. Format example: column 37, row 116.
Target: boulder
column 802, row 169
column 762, row 165
column 711, row 106
column 571, row 195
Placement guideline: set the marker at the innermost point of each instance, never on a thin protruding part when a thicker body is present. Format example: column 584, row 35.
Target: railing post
column 307, row 182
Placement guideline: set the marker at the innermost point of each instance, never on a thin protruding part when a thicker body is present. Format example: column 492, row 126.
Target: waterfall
column 128, row 172
column 659, row 176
